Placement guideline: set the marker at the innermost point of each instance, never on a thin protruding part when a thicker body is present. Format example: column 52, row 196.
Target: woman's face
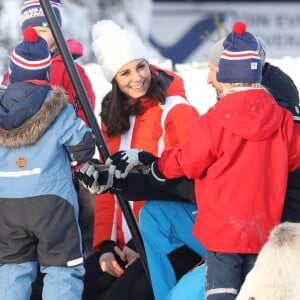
column 134, row 79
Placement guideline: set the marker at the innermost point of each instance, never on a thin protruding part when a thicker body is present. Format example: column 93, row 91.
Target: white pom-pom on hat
column 104, row 27
column 114, row 47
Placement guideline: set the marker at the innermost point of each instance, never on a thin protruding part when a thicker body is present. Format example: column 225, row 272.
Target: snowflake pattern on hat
column 32, row 14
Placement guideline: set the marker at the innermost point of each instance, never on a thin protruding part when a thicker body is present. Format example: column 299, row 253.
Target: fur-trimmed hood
column 33, row 127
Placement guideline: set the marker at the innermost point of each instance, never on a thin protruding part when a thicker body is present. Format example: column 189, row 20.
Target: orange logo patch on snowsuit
column 21, row 162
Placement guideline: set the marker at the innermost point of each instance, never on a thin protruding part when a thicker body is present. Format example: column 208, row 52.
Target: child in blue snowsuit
column 40, row 137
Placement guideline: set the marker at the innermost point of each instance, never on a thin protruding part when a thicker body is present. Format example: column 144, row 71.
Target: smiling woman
column 134, row 79
column 146, row 108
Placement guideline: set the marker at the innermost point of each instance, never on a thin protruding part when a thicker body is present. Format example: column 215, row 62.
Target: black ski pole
column 92, row 121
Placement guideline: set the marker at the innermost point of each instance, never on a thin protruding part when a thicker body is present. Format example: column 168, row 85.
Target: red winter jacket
column 59, row 76
column 159, row 127
column 239, row 154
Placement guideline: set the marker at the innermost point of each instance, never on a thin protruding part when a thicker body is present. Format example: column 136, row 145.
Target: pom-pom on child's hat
column 31, row 59
column 240, row 61
column 114, row 47
column 32, row 14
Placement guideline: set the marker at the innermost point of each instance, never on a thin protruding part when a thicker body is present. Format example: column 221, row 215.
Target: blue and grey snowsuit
column 39, row 136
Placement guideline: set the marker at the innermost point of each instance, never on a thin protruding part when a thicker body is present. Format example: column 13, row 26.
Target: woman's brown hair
column 116, row 108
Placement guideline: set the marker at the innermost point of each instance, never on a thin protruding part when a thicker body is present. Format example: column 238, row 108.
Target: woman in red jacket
column 147, row 109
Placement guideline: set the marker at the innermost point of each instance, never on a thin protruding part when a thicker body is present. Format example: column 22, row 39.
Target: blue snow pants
column 166, row 226
column 191, row 286
column 40, row 229
column 59, row 282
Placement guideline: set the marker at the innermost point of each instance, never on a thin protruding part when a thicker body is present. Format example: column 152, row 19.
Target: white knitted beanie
column 114, row 47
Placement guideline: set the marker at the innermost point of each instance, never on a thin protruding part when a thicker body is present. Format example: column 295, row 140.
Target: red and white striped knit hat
column 240, row 60
column 31, row 59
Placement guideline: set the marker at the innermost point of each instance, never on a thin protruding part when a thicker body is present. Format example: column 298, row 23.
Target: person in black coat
column 284, row 90
column 286, row 94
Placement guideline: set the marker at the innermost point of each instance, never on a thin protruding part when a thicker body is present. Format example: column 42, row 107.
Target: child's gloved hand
column 95, row 181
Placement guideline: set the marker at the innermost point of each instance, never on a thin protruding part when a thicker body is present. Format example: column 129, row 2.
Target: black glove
column 121, row 163
column 95, row 181
column 83, row 151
